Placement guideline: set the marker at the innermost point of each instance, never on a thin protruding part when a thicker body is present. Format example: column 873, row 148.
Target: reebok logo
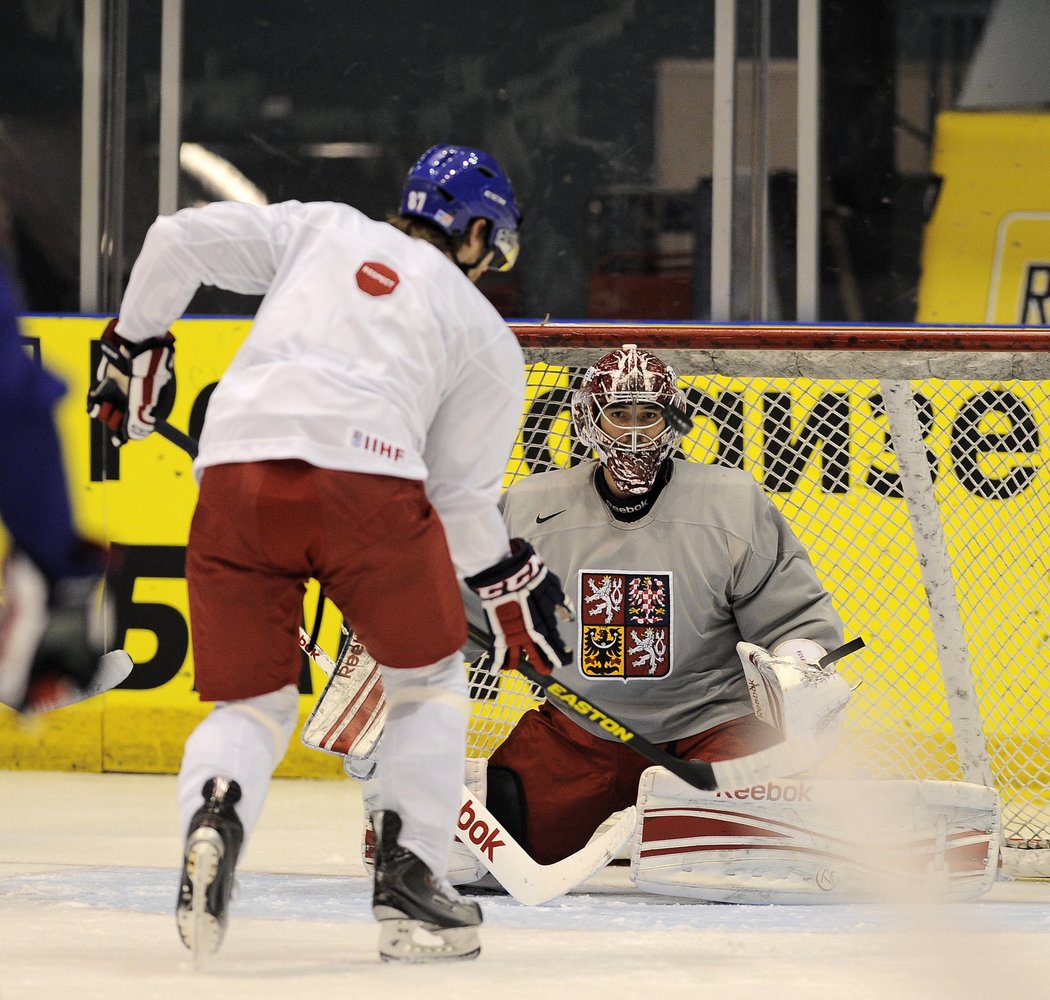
column 376, row 279
column 796, row 791
column 478, row 832
column 547, row 517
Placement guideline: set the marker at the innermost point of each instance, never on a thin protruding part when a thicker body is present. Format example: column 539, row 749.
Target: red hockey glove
column 522, row 600
column 134, row 384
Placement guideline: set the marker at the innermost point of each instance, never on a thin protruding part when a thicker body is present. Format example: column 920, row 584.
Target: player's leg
column 392, row 577
column 420, row 772
column 245, row 569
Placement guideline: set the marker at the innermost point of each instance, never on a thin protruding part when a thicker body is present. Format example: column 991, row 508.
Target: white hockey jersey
column 371, row 352
column 662, row 602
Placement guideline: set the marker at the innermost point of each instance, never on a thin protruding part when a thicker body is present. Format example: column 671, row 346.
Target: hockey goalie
column 701, row 623
column 787, row 840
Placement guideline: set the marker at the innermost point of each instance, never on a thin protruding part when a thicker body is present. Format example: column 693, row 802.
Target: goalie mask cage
column 912, row 464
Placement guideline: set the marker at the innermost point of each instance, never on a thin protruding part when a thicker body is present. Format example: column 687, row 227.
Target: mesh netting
column 821, row 443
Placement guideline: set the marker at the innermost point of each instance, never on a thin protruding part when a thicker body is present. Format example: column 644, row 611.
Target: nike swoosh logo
column 540, row 520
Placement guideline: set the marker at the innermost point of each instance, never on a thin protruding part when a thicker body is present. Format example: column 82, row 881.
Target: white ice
column 88, row 867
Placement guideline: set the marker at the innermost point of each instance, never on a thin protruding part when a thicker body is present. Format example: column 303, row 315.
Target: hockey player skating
column 373, row 364
column 52, row 629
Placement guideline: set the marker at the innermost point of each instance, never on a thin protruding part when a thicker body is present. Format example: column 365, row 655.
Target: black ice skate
column 212, row 846
column 422, row 919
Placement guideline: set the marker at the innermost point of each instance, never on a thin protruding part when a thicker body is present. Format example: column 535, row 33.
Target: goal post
column 912, row 464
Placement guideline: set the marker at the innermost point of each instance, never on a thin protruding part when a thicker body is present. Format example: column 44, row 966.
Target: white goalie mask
column 630, row 410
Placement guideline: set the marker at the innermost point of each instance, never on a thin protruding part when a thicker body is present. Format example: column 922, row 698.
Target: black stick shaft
column 178, row 438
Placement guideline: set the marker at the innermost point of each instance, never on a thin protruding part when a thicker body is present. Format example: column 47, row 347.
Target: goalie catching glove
column 134, row 385
column 522, row 600
column 792, row 691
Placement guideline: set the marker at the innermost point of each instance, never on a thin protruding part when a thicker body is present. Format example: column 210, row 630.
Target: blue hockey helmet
column 450, row 185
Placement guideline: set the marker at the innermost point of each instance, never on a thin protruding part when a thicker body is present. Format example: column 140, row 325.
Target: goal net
column 911, row 465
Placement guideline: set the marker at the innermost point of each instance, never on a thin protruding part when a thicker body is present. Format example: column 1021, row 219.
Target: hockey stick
column 113, row 667
column 178, row 438
column 527, row 881
column 783, row 759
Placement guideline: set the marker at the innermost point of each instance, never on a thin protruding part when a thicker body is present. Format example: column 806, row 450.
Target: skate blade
column 414, row 941
column 200, row 931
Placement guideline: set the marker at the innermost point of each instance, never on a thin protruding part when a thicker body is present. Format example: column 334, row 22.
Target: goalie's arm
column 776, row 592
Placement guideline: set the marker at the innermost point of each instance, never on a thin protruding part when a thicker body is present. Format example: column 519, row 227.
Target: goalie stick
column 527, row 881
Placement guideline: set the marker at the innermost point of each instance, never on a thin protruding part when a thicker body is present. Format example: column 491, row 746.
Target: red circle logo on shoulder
column 376, row 279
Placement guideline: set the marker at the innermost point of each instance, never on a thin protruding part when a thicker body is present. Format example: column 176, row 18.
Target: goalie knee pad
column 816, row 841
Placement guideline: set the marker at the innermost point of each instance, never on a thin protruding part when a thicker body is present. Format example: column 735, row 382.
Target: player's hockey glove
column 522, row 600
column 52, row 631
column 134, row 385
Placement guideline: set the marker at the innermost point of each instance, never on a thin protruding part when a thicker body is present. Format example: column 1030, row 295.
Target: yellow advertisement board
column 142, row 498
column 820, row 448
column 986, row 247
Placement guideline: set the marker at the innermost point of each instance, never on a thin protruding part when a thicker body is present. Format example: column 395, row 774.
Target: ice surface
column 88, row 866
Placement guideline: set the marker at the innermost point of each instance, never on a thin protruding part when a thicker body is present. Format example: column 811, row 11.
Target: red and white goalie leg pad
column 816, row 841
column 348, row 717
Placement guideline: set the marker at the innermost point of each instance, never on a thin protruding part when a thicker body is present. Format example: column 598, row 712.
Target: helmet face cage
column 630, row 389
column 450, row 185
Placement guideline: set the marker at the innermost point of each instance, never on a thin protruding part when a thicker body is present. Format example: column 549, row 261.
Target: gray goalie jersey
column 662, row 602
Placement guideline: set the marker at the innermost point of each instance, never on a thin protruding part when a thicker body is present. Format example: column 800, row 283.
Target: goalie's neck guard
column 632, row 507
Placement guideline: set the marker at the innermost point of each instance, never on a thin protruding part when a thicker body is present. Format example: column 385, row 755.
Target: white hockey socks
column 421, row 756
column 244, row 740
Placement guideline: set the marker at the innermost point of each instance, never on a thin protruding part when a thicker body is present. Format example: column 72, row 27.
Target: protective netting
column 973, row 535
